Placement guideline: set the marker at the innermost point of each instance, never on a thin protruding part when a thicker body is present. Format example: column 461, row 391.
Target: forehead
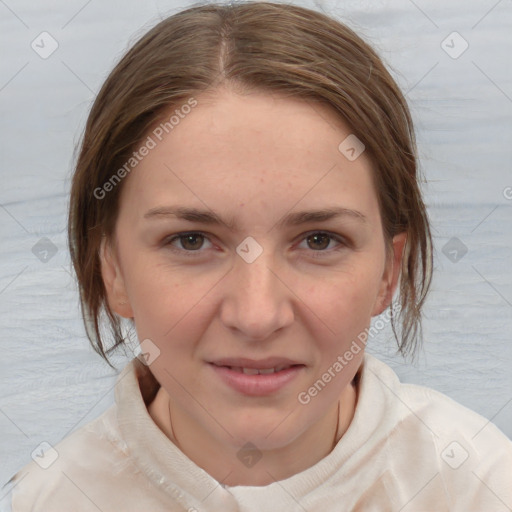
column 242, row 149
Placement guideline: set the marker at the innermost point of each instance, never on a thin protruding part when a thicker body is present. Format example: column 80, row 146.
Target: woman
column 246, row 197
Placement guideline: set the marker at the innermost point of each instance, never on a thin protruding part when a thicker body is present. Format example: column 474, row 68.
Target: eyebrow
column 292, row 219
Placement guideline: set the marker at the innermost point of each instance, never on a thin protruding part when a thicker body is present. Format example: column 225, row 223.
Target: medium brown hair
column 277, row 48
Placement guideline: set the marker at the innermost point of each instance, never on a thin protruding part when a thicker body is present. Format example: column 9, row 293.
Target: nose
column 256, row 301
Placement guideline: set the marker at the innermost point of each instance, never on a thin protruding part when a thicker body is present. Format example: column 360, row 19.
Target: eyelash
column 316, row 254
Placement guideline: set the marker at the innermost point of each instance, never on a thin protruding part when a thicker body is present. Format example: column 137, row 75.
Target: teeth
column 258, row 371
column 250, row 371
column 268, row 370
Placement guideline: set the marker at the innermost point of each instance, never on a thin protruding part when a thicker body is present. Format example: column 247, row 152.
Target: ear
column 114, row 281
column 391, row 274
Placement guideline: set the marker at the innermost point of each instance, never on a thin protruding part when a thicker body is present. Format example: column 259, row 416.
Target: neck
column 222, row 460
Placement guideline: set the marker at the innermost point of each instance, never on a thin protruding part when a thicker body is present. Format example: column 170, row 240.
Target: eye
column 319, row 242
column 191, row 242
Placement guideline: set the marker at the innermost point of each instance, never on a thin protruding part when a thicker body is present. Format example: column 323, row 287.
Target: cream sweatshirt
column 409, row 448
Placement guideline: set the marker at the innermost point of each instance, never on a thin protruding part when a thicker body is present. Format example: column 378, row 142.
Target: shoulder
column 465, row 453
column 61, row 476
column 433, row 409
column 95, row 468
column 444, row 416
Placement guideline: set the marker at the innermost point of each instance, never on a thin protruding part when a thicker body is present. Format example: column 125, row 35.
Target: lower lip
column 257, row 385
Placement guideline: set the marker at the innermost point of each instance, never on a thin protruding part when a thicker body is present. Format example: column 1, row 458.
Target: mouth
column 256, row 378
column 258, row 371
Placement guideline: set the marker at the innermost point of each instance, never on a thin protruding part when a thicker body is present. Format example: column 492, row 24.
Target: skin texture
column 252, row 158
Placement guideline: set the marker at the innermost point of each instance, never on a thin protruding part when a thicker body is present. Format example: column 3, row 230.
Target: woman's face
column 260, row 275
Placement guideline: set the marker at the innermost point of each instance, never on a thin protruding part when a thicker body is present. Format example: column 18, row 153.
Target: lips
column 275, row 363
column 257, row 377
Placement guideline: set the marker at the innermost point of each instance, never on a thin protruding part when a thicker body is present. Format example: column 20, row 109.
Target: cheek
column 157, row 290
column 339, row 328
column 343, row 310
column 345, row 301
column 170, row 307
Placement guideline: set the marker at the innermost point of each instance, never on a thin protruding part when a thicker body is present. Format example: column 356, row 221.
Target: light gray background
column 52, row 382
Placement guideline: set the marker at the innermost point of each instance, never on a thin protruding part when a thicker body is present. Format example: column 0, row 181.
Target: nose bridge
column 256, row 279
column 254, row 262
column 257, row 301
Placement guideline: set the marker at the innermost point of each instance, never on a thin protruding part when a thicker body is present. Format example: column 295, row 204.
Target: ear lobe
column 391, row 274
column 114, row 281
